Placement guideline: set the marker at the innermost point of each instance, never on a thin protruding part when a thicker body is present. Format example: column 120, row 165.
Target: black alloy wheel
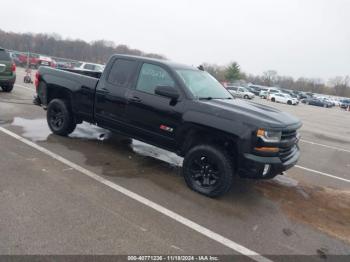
column 60, row 118
column 208, row 170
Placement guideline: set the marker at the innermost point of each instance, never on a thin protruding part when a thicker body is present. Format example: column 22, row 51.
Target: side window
column 152, row 76
column 122, row 72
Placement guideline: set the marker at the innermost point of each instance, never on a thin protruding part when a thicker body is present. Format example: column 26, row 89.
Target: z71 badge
column 166, row 128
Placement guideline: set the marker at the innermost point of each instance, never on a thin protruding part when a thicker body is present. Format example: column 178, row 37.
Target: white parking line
column 322, row 173
column 187, row 222
column 331, row 147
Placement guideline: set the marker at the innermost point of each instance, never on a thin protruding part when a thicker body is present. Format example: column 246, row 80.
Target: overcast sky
column 308, row 38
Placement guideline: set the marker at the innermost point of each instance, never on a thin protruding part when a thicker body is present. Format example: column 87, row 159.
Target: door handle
column 135, row 99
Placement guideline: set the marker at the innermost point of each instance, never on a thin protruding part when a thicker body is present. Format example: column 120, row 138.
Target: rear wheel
column 245, row 97
column 289, row 102
column 208, row 170
column 7, row 88
column 60, row 118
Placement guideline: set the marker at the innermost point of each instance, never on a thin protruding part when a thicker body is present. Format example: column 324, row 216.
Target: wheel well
column 196, row 136
column 59, row 93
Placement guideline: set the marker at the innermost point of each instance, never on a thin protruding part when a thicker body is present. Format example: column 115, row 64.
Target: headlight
column 269, row 136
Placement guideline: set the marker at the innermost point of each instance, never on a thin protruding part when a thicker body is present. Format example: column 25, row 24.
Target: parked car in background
column 254, row 89
column 239, row 91
column 290, row 93
column 15, row 58
column 263, row 94
column 31, row 61
column 328, row 101
column 316, row 102
column 283, row 98
column 302, row 95
column 345, row 103
column 271, row 91
column 45, row 61
column 63, row 65
column 89, row 67
column 7, row 71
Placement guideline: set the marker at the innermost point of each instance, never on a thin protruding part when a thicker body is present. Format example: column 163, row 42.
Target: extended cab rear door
column 110, row 98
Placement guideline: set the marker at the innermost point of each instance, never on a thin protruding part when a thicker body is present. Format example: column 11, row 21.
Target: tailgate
column 5, row 68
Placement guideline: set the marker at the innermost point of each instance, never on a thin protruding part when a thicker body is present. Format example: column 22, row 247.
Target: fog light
column 266, row 169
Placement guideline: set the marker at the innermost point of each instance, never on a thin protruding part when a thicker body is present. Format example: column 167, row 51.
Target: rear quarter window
column 4, row 56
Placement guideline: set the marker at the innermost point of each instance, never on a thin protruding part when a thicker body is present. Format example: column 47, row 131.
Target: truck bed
column 80, row 84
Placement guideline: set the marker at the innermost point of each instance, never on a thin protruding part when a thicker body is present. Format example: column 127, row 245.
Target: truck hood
column 250, row 112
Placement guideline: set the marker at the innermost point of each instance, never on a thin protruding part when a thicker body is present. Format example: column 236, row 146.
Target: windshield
column 202, row 85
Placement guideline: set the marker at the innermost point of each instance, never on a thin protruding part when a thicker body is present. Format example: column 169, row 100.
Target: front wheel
column 273, row 100
column 245, row 97
column 289, row 102
column 60, row 118
column 208, row 170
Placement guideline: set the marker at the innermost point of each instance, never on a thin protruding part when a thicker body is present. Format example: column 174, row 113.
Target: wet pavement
column 299, row 213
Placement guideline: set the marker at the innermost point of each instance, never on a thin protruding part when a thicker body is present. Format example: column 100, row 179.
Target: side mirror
column 167, row 91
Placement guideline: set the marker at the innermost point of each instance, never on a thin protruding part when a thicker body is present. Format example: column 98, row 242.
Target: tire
column 7, row 88
column 307, row 103
column 273, row 99
column 60, row 118
column 325, row 106
column 289, row 102
column 208, row 170
column 246, row 97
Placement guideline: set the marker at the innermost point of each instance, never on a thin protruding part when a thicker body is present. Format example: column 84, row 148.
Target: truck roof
column 159, row 61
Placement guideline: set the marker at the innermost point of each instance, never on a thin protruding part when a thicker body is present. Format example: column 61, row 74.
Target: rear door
column 110, row 99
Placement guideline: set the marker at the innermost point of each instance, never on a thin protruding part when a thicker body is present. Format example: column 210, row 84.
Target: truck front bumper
column 256, row 167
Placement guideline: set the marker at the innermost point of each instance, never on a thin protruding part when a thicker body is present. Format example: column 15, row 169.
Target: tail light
column 13, row 68
column 36, row 80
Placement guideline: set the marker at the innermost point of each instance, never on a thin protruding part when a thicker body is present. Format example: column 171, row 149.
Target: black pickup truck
column 179, row 108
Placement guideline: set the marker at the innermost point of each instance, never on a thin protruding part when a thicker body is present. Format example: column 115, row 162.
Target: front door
column 154, row 117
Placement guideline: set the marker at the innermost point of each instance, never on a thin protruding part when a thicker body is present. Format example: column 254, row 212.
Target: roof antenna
column 201, row 68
